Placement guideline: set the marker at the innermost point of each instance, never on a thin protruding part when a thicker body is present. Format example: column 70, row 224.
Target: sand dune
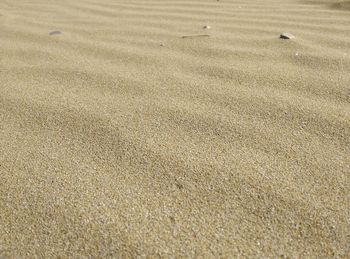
column 120, row 138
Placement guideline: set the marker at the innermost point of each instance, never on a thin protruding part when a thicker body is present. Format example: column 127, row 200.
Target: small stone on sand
column 287, row 36
column 206, row 27
column 55, row 33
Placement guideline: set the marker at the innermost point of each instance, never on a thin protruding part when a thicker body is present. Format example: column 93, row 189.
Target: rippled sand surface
column 119, row 137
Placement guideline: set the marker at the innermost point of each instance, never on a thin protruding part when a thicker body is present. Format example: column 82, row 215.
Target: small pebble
column 287, row 36
column 206, row 27
column 55, row 33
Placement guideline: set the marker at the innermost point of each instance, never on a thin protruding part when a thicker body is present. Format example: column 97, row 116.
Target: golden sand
column 119, row 137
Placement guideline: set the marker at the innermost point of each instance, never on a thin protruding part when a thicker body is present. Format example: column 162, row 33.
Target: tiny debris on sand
column 55, row 33
column 195, row 36
column 207, row 27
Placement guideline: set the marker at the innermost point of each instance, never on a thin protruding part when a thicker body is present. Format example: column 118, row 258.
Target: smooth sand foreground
column 121, row 138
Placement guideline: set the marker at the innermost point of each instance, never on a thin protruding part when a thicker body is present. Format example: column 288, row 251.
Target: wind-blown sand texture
column 121, row 138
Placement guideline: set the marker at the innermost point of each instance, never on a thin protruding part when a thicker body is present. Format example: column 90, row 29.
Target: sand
column 119, row 137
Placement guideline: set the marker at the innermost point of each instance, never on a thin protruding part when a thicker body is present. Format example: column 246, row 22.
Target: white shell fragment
column 287, row 36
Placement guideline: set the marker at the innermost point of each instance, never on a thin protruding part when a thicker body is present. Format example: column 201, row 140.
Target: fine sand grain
column 120, row 137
